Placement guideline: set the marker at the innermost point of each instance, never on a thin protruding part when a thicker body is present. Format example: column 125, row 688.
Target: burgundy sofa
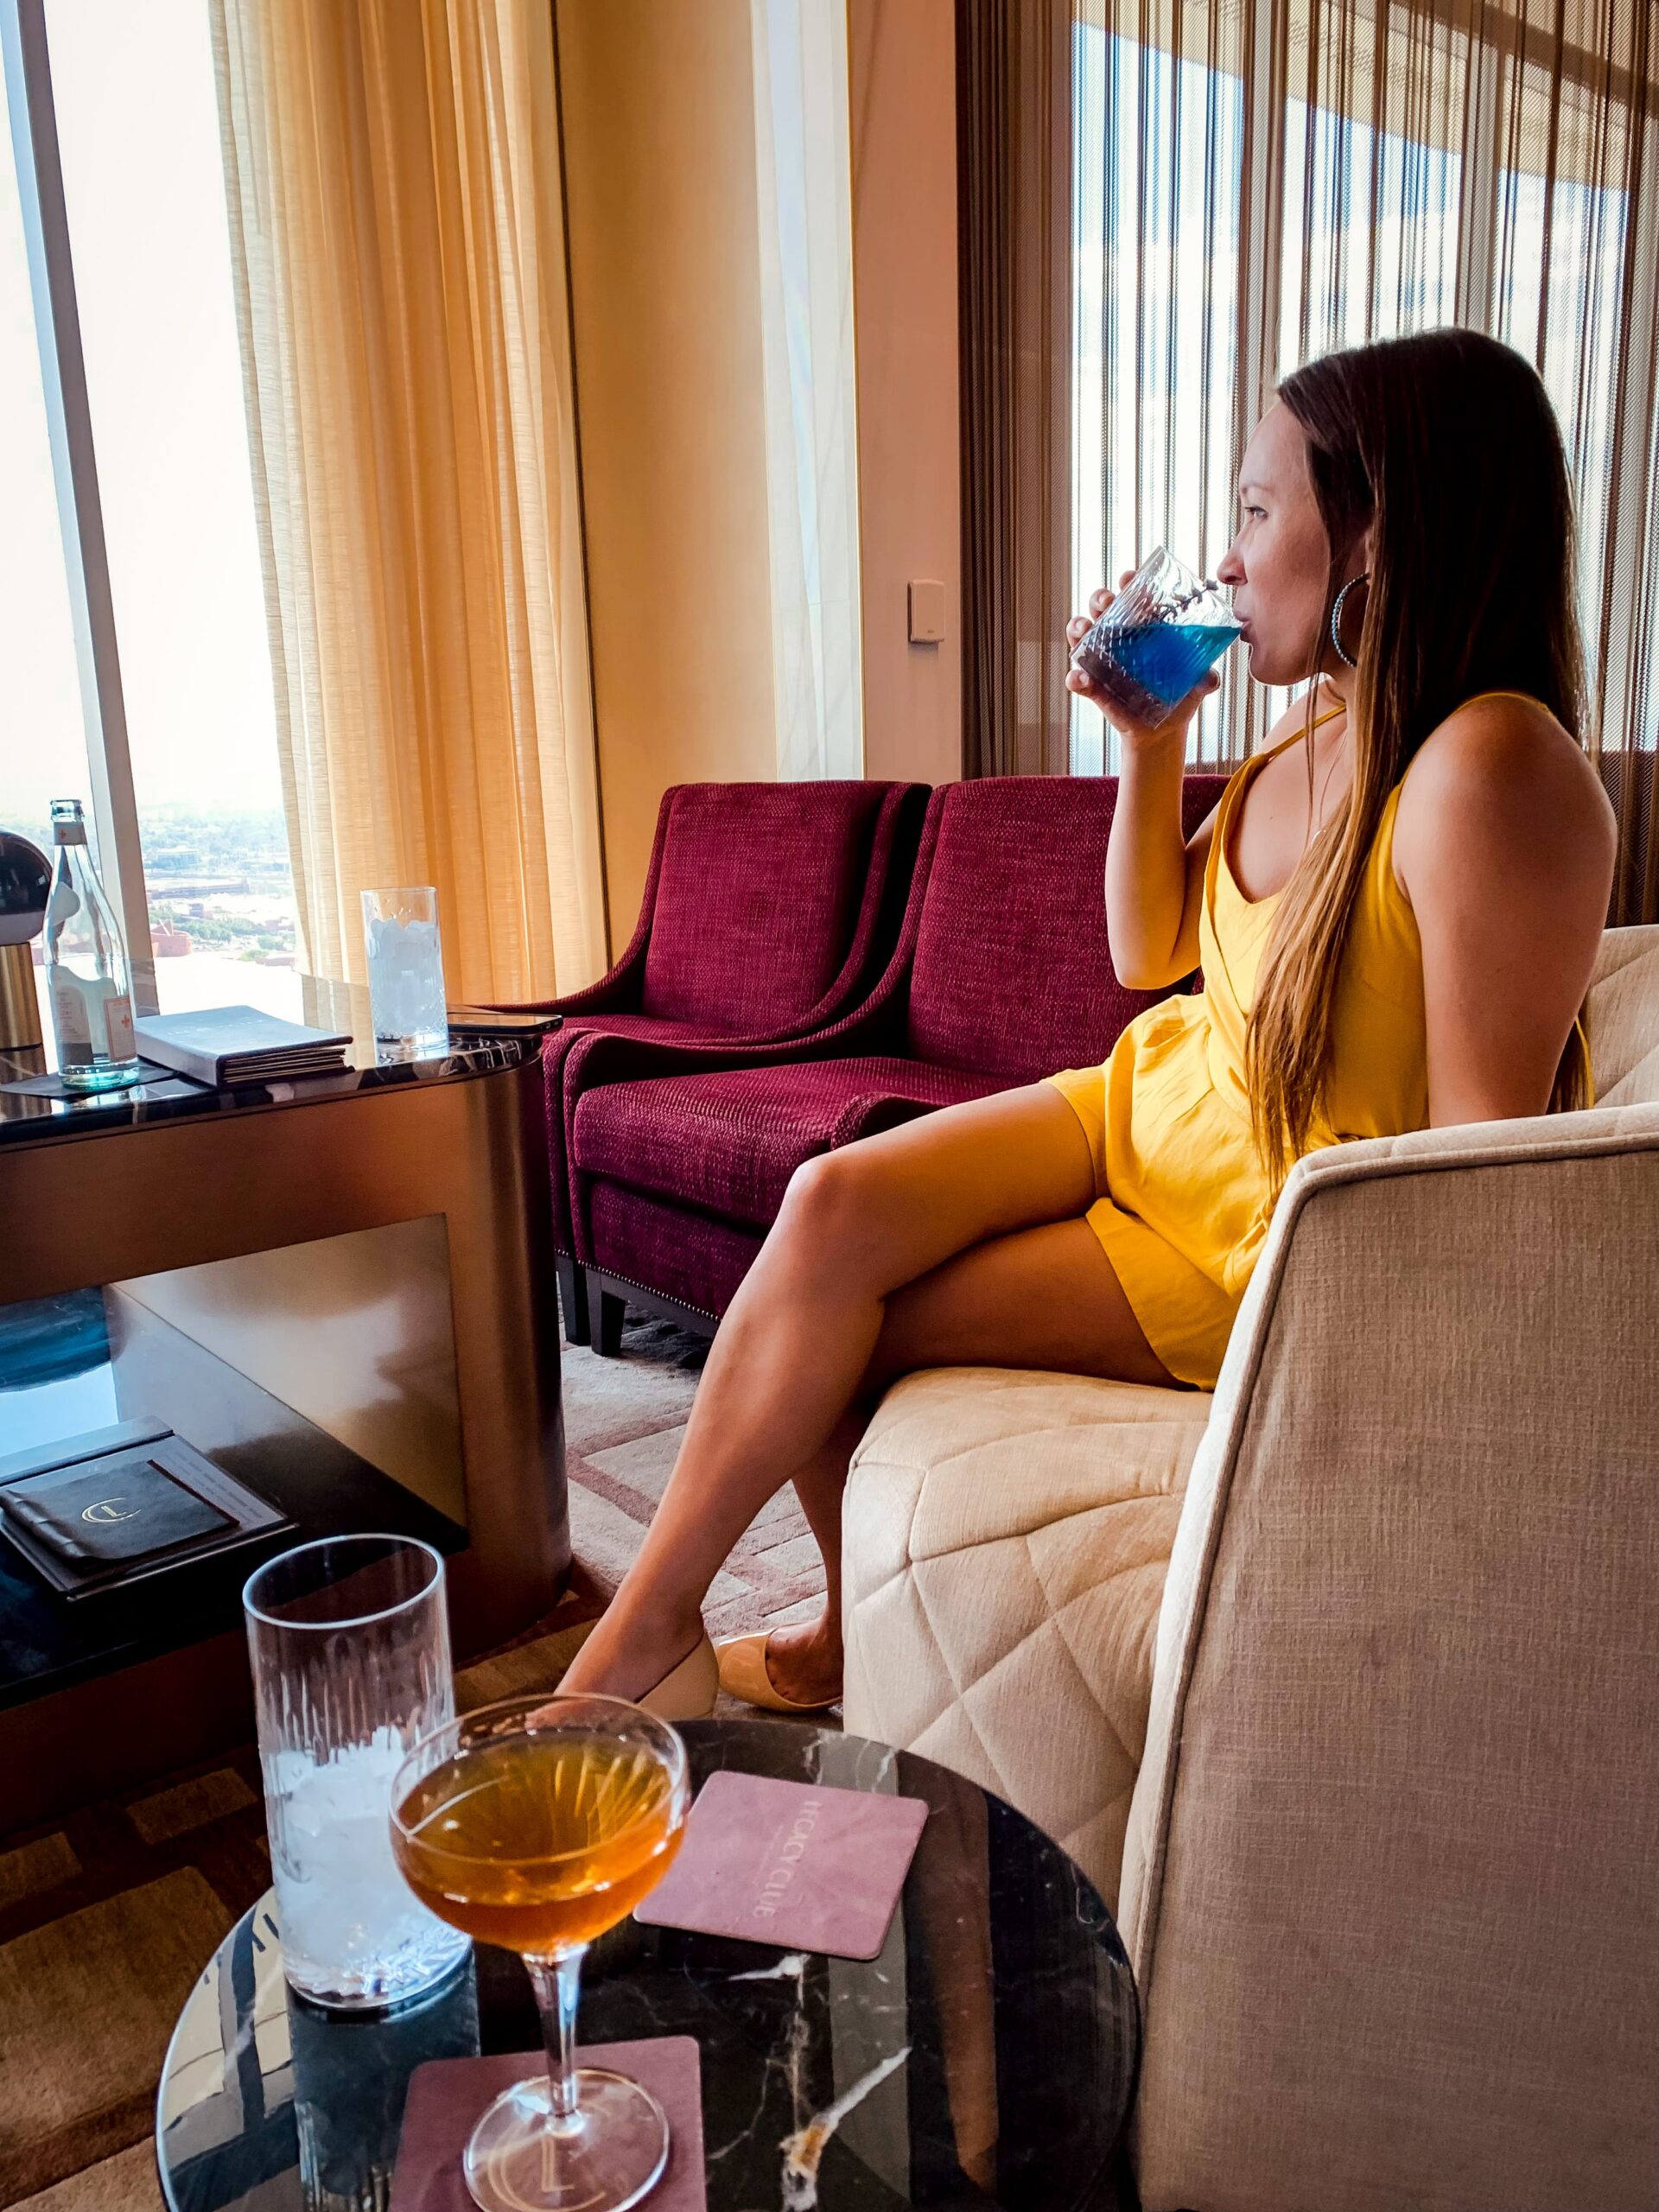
column 679, row 1156
column 769, row 910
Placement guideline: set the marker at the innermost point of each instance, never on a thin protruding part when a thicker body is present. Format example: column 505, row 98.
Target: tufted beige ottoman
column 1007, row 1536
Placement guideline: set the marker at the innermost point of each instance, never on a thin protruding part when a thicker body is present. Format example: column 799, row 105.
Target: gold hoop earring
column 1341, row 652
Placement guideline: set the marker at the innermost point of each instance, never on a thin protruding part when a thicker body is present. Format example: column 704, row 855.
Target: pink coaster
column 789, row 1863
column 447, row 2096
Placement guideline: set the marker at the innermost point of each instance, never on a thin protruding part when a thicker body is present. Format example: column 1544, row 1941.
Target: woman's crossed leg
column 956, row 1240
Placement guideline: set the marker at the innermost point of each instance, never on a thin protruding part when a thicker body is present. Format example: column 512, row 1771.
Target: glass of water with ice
column 406, row 995
column 350, row 1643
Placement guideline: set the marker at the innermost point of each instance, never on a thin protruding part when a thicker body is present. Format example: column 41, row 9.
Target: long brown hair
column 1446, row 448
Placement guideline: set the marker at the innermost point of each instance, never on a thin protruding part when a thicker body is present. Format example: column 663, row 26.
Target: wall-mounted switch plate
column 926, row 614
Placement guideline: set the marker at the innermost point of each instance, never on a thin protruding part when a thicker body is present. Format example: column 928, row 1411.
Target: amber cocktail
column 536, row 1825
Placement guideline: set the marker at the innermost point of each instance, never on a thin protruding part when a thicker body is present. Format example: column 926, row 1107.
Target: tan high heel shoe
column 686, row 1692
column 743, row 1663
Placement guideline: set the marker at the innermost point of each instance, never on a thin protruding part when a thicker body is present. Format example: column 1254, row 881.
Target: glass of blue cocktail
column 1161, row 637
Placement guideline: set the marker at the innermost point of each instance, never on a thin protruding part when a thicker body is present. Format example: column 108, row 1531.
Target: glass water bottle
column 86, row 969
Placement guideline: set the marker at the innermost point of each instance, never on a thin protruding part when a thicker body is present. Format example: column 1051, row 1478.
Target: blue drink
column 1158, row 639
column 1149, row 667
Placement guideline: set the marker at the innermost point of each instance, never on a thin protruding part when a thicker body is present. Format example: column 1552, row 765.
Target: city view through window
column 138, row 135
column 1158, row 158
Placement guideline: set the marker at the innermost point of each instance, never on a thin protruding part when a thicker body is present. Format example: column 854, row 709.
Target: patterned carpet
column 107, row 1916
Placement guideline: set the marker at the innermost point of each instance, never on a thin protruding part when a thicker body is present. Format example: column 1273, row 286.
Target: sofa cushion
column 1006, row 1538
column 728, row 1143
column 757, row 900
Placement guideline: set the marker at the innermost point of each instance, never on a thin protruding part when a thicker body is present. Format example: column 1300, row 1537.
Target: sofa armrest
column 621, row 988
column 617, row 991
column 1384, row 1881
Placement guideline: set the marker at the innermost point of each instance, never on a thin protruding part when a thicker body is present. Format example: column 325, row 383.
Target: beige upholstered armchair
column 1386, row 1797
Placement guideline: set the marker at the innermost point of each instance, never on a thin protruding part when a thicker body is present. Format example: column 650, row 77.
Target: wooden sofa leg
column 573, row 1298
column 605, row 1312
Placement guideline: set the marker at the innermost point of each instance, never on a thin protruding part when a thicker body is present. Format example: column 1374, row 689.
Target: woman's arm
column 1504, row 843
column 1154, row 880
column 1156, row 806
column 1155, row 884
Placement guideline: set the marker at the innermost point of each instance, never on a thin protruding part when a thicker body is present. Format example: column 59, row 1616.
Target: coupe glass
column 537, row 1824
column 1160, row 636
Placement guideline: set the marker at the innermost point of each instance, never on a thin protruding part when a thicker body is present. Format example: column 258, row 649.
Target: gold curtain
column 1260, row 181
column 395, row 205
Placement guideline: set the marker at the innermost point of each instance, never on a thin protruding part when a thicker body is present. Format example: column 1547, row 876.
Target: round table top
column 999, row 2020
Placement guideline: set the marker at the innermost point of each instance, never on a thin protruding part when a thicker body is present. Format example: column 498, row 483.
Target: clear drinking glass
column 406, row 995
column 537, row 1824
column 1160, row 636
column 349, row 1642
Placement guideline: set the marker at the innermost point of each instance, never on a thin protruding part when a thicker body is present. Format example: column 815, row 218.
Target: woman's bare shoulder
column 1502, row 789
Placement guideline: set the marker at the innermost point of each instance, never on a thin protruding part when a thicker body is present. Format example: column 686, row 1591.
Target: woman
column 1396, row 904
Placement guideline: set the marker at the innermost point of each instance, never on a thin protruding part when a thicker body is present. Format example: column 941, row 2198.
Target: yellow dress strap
column 1297, row 735
column 1583, row 1036
column 1242, row 775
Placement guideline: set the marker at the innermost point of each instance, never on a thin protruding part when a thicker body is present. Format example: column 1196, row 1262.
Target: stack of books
column 229, row 1046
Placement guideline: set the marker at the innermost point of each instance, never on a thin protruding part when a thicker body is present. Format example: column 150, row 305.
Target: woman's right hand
column 1137, row 735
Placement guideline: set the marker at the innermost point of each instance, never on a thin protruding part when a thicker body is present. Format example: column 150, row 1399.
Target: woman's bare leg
column 805, row 1660
column 1042, row 1298
column 799, row 1346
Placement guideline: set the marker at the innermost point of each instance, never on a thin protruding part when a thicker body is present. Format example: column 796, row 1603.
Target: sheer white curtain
column 804, row 193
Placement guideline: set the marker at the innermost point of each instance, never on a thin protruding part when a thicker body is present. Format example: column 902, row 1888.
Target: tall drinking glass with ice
column 1161, row 637
column 405, row 965
column 350, row 1643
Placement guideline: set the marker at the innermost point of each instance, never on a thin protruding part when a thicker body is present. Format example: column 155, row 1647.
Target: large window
column 1253, row 189
column 194, row 805
column 1158, row 153
column 43, row 738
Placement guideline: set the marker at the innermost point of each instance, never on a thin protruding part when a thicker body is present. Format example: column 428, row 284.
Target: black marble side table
column 986, row 2058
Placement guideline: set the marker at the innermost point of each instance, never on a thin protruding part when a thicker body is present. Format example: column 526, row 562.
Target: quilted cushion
column 1006, row 1539
column 757, row 901
column 728, row 1143
column 1624, row 1017
column 1012, row 974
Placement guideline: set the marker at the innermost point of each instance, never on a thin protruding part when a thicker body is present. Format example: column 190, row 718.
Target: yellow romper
column 1184, row 1202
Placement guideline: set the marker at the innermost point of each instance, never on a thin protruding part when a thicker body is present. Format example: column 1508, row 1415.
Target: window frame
column 27, row 63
